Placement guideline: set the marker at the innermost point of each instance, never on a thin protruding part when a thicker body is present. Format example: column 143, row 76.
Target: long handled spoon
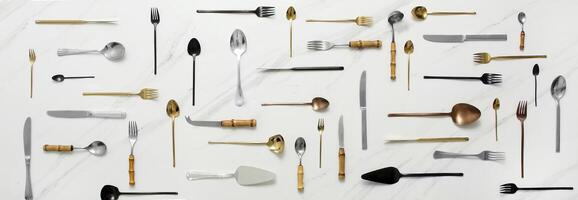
column 394, row 17
column 408, row 49
column 173, row 112
column 558, row 90
column 461, row 114
column 60, row 77
column 113, row 51
column 291, row 16
column 421, row 13
column 318, row 104
column 110, row 192
column 275, row 143
column 391, row 175
column 96, row 148
column 194, row 49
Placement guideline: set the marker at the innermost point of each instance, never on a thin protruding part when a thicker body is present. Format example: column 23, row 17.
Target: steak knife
column 362, row 106
column 27, row 140
column 86, row 114
column 465, row 38
column 341, row 173
column 224, row 123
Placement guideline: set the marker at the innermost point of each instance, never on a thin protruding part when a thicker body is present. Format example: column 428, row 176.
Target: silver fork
column 320, row 128
column 319, row 45
column 261, row 11
column 132, row 137
column 522, row 113
column 484, row 155
column 155, row 20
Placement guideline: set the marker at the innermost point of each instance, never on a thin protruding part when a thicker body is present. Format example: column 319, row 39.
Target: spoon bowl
column 394, row 17
column 319, row 103
column 291, row 14
column 408, row 47
column 276, row 143
column 558, row 88
column 522, row 18
column 419, row 12
column 58, row 78
column 113, row 51
column 300, row 147
column 96, row 148
column 464, row 114
column 109, row 192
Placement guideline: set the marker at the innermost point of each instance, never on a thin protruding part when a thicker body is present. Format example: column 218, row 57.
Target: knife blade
column 340, row 131
column 341, row 173
column 464, row 38
column 224, row 123
column 27, row 140
column 27, row 135
column 86, row 114
column 362, row 105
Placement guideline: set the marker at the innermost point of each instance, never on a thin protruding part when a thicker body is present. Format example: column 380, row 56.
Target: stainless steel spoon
column 60, row 77
column 96, row 148
column 522, row 20
column 113, row 51
column 238, row 44
column 300, row 147
column 558, row 90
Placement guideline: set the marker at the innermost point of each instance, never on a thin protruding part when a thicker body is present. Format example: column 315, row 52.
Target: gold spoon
column 291, row 16
column 420, row 13
column 173, row 112
column 275, row 143
column 461, row 114
column 318, row 104
column 408, row 49
column 496, row 106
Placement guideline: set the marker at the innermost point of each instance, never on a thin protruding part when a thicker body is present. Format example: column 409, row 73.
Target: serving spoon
column 461, row 114
column 317, row 103
column 275, row 143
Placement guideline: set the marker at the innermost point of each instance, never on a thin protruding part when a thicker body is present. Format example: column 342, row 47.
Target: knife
column 465, row 38
column 224, row 123
column 362, row 102
column 27, row 141
column 341, row 173
column 86, row 114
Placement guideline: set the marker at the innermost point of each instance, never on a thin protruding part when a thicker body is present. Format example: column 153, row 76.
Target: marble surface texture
column 550, row 30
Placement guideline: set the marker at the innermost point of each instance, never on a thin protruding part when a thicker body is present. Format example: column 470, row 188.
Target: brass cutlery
column 522, row 114
column 320, row 129
column 132, row 138
column 275, row 143
column 173, row 112
column 360, row 21
column 261, row 11
column 485, row 58
column 291, row 15
column 408, row 49
column 155, row 20
column 496, row 106
column 32, row 60
column 394, row 17
column 300, row 147
column 558, row 90
column 75, row 21
column 96, row 148
column 461, row 114
column 27, row 138
column 146, row 94
column 232, row 123
column 319, row 45
column 486, row 78
column 484, row 155
column 113, row 51
column 421, row 13
column 436, row 139
column 317, row 103
column 522, row 20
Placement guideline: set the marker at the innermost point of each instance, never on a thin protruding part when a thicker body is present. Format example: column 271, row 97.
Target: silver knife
column 362, row 106
column 86, row 114
column 27, row 141
column 224, row 123
column 341, row 173
column 464, row 38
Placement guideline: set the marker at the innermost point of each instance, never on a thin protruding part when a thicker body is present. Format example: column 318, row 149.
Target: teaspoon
column 113, row 51
column 300, row 147
column 522, row 20
column 238, row 45
column 558, row 90
column 96, row 148
column 60, row 77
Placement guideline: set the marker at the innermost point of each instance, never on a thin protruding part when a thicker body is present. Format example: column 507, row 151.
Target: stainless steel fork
column 484, row 155
column 132, row 137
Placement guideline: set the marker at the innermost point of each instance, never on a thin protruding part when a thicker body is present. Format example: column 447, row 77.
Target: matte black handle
column 547, row 188
column 450, row 77
column 432, row 174
column 149, row 193
column 330, row 68
column 225, row 11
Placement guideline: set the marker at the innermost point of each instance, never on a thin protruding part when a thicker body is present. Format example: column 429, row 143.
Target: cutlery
column 521, row 114
column 244, row 175
column 461, row 114
column 27, row 135
column 485, row 58
column 194, row 49
column 360, row 21
column 363, row 108
column 442, row 139
column 110, row 192
column 234, row 123
column 238, row 44
column 146, row 94
column 60, row 77
column 113, row 51
column 261, row 11
column 496, row 106
column 155, row 20
column 391, row 175
column 558, row 90
column 510, row 188
column 86, row 114
column 536, row 72
column 324, row 68
column 275, row 143
column 291, row 16
column 522, row 20
column 320, row 129
column 421, row 13
column 319, row 45
column 465, row 38
column 408, row 49
column 394, row 17
column 96, row 148
column 484, row 155
column 341, row 154
column 317, row 103
column 32, row 60
column 75, row 21
column 486, row 78
column 132, row 138
column 300, row 147
column 173, row 112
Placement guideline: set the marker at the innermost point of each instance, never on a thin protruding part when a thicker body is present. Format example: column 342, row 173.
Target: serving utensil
column 324, row 68
column 522, row 114
column 486, row 78
column 194, row 49
column 75, row 21
column 238, row 45
column 319, row 45
column 320, row 129
column 317, row 103
column 113, row 51
column 408, row 49
column 110, row 192
column 244, row 175
column 291, row 15
column 96, row 148
column 261, row 11
column 32, row 60
column 522, row 20
column 536, row 72
column 155, row 20
column 558, row 90
column 394, row 17
column 360, row 21
column 439, row 139
column 132, row 138
column 485, row 58
column 511, row 188
column 60, row 77
column 465, row 38
column 86, row 114
column 173, row 112
column 421, row 13
column 27, row 138
column 496, row 106
column 341, row 173
column 484, row 155
column 146, row 94
column 461, row 114
column 234, row 123
column 391, row 175
column 300, row 147
column 363, row 108
column 275, row 143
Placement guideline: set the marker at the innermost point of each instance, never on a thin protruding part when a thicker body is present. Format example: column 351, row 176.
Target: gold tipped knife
column 224, row 123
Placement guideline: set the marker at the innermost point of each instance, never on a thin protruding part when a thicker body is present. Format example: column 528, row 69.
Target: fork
column 132, row 137
column 155, row 20
column 320, row 45
column 32, row 60
column 261, row 11
column 146, row 93
column 486, row 78
column 484, row 155
column 522, row 113
column 360, row 21
column 485, row 58
column 320, row 128
column 510, row 188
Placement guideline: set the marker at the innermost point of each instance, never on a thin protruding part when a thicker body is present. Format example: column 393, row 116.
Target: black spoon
column 390, row 175
column 536, row 71
column 110, row 192
column 60, row 77
column 194, row 50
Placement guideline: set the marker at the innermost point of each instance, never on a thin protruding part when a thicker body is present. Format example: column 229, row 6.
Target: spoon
column 461, row 114
column 300, row 147
column 113, row 51
column 291, row 16
column 536, row 72
column 238, row 44
column 173, row 112
column 420, row 13
column 194, row 49
column 60, row 77
column 522, row 20
column 110, row 192
column 96, row 148
column 391, row 175
column 408, row 49
column 318, row 104
column 393, row 18
column 496, row 106
column 275, row 143
column 558, row 90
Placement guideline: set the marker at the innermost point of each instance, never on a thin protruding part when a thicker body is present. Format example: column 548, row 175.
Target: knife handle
column 131, row 169
column 239, row 123
column 300, row 178
column 522, row 40
column 361, row 44
column 341, row 164
column 112, row 115
column 392, row 63
column 62, row 148
column 60, row 21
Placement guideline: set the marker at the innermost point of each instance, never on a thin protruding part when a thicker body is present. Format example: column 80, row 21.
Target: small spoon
column 496, row 106
column 461, row 114
column 238, row 45
column 408, row 49
column 522, row 20
column 110, row 192
column 96, row 148
column 391, row 175
column 394, row 17
column 318, row 104
column 558, row 90
column 113, row 51
column 194, row 49
column 536, row 72
column 173, row 112
column 60, row 77
column 420, row 13
column 291, row 16
column 300, row 147
column 275, row 143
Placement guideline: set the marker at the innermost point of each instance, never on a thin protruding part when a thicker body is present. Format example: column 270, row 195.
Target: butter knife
column 362, row 106
column 341, row 173
column 27, row 141
column 465, row 38
column 86, row 114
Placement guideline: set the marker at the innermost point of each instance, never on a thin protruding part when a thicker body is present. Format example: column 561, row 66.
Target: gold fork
column 522, row 113
column 320, row 128
column 32, row 60
column 485, row 58
column 360, row 21
column 146, row 93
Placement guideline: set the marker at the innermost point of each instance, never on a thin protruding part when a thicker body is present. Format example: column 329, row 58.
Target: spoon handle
column 451, row 13
column 285, row 104
column 149, row 193
column 432, row 174
column 60, row 148
column 417, row 114
column 558, row 127
column 239, row 99
column 392, row 63
column 234, row 142
column 78, row 77
column 66, row 52
column 173, row 130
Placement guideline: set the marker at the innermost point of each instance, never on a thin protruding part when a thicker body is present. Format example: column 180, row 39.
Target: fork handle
column 60, row 21
column 546, row 188
column 107, row 94
column 443, row 154
column 451, row 77
column 326, row 20
column 518, row 57
column 361, row 44
column 522, row 40
column 131, row 169
column 392, row 60
column 522, row 152
column 225, row 11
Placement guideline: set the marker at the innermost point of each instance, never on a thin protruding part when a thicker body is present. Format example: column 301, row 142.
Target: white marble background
column 550, row 30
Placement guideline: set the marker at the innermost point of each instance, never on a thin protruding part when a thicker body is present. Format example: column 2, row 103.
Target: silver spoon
column 522, row 20
column 238, row 44
column 300, row 147
column 96, row 148
column 60, row 77
column 113, row 51
column 558, row 91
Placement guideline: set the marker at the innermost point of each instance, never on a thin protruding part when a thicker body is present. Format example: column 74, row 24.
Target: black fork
column 155, row 20
column 486, row 78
